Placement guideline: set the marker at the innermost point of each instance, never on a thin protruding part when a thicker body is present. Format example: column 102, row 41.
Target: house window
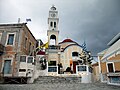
column 30, row 60
column 10, row 40
column 110, row 67
column 75, row 54
column 22, row 58
column 30, row 48
column 22, row 70
column 25, row 43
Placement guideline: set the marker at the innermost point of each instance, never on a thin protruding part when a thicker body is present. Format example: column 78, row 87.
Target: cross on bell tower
column 52, row 31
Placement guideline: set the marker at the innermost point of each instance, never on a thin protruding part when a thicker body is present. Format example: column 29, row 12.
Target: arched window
column 54, row 24
column 75, row 54
column 51, row 24
column 52, row 39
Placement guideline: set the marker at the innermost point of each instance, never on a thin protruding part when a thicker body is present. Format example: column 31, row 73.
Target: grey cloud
column 97, row 24
column 95, row 21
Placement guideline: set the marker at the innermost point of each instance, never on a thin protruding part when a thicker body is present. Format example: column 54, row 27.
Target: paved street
column 59, row 86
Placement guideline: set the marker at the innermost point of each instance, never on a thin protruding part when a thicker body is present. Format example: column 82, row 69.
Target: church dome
column 67, row 41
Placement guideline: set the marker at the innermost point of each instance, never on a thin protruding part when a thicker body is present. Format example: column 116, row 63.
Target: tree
column 86, row 57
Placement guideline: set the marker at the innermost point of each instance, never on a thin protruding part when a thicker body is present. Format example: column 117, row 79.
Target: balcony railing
column 54, row 47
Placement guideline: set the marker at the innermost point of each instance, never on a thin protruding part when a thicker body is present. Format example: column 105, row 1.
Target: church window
column 54, row 24
column 75, row 54
column 51, row 24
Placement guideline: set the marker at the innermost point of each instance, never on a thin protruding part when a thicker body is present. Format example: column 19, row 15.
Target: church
column 62, row 56
column 23, row 61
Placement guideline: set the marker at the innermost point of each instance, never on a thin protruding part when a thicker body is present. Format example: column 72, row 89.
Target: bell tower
column 52, row 31
column 53, row 50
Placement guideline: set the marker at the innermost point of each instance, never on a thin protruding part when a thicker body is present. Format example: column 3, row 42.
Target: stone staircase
column 57, row 79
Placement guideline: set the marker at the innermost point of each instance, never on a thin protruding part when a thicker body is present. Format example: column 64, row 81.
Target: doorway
column 74, row 66
column 7, row 67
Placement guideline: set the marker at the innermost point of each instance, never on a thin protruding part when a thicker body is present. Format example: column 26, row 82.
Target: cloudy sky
column 93, row 21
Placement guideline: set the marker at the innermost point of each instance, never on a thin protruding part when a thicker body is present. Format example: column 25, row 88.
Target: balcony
column 1, row 49
column 53, row 48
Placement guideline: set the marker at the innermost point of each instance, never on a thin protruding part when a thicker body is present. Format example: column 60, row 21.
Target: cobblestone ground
column 59, row 86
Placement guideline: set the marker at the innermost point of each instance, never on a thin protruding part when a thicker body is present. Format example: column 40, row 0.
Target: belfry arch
column 52, row 39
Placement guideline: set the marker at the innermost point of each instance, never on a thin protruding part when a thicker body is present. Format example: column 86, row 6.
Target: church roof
column 41, row 53
column 67, row 40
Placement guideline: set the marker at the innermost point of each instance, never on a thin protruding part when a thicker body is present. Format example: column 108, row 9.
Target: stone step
column 56, row 79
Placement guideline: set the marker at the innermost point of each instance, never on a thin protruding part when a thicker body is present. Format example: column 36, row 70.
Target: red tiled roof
column 41, row 53
column 66, row 40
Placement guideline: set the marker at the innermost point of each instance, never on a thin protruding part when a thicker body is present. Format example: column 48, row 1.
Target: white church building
column 62, row 57
column 66, row 52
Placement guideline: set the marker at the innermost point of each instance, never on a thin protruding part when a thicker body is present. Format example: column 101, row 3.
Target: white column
column 100, row 73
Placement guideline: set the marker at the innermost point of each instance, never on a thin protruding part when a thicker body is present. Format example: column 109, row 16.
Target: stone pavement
column 58, row 83
column 56, row 79
column 59, row 86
